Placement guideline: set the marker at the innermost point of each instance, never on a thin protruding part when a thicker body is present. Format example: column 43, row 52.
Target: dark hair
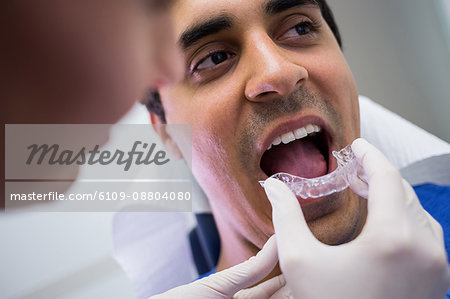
column 153, row 99
column 153, row 103
column 329, row 18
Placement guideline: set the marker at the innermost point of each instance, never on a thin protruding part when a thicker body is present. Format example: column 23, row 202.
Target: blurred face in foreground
column 83, row 61
column 256, row 70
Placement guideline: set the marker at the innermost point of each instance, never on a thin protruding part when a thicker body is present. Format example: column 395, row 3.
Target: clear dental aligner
column 327, row 184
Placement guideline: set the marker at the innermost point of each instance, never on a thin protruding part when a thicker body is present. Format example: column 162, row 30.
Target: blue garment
column 435, row 200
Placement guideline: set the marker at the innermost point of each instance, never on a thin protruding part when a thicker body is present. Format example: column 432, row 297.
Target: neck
column 235, row 248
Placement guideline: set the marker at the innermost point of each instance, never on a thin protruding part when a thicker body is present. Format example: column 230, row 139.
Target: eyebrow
column 273, row 7
column 224, row 21
column 204, row 28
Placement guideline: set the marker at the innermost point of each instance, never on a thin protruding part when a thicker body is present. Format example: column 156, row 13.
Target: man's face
column 256, row 70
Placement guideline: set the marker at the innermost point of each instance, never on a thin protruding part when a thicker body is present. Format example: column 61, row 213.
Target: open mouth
column 303, row 152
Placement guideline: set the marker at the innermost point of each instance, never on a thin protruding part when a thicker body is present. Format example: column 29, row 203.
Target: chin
column 343, row 223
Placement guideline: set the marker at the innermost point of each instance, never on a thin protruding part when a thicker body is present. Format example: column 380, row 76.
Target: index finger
column 291, row 229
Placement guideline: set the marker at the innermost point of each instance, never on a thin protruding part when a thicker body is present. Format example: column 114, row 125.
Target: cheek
column 331, row 75
column 215, row 119
column 211, row 111
column 182, row 108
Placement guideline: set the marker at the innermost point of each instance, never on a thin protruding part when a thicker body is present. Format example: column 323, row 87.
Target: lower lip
column 314, row 208
column 307, row 201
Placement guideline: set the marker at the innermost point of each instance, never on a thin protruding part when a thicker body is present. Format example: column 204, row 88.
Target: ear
column 161, row 129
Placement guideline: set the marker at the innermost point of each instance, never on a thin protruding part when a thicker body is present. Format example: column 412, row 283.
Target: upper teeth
column 295, row 134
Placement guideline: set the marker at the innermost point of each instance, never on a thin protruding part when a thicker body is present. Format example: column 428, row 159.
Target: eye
column 303, row 28
column 212, row 60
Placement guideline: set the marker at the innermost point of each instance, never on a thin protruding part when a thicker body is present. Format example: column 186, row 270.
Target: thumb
column 246, row 274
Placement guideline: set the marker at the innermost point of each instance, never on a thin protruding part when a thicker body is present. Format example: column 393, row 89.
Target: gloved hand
column 399, row 253
column 232, row 282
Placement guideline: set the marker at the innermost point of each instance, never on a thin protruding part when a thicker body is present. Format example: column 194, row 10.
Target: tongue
column 300, row 157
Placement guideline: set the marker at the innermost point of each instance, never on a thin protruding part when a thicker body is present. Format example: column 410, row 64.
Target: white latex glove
column 232, row 282
column 399, row 254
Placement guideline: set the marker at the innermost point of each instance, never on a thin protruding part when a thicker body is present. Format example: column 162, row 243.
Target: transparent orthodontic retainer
column 336, row 181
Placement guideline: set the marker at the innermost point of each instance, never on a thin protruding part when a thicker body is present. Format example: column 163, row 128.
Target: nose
column 273, row 74
column 167, row 67
column 166, row 57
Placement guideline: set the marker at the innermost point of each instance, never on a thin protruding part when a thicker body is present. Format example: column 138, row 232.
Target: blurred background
column 399, row 52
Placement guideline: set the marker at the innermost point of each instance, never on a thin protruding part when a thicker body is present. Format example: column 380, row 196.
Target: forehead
column 270, row 6
column 189, row 13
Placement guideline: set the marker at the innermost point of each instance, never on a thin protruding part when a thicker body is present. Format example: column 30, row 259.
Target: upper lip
column 287, row 126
